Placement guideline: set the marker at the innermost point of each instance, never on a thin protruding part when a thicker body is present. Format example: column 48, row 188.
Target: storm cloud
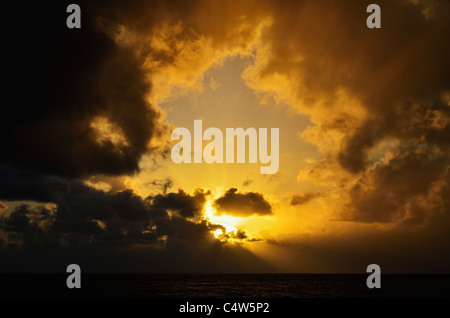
column 97, row 227
column 378, row 101
column 83, row 103
column 70, row 93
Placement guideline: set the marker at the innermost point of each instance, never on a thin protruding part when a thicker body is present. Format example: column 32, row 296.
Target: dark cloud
column 18, row 219
column 242, row 204
column 112, row 215
column 77, row 109
column 382, row 91
column 162, row 185
column 405, row 59
column 407, row 189
column 419, row 124
column 18, row 185
column 60, row 81
column 301, row 199
column 61, row 84
column 403, row 187
column 181, row 202
column 255, row 239
column 97, row 227
column 2, row 206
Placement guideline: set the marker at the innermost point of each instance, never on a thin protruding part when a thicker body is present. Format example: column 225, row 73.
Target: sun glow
column 228, row 222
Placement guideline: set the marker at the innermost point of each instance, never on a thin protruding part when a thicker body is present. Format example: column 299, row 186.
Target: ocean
column 236, row 286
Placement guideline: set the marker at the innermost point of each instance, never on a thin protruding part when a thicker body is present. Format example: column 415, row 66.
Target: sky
column 364, row 137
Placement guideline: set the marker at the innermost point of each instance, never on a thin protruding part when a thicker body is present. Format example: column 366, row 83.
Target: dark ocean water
column 225, row 286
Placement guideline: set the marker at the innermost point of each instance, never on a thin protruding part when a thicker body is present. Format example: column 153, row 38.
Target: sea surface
column 225, row 286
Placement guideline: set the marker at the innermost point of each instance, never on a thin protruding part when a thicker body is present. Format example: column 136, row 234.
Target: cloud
column 247, row 182
column 181, row 202
column 301, row 199
column 71, row 125
column 381, row 85
column 89, row 222
column 3, row 207
column 181, row 45
column 242, row 204
column 162, row 185
column 376, row 101
column 407, row 189
column 99, row 120
column 98, row 227
column 80, row 113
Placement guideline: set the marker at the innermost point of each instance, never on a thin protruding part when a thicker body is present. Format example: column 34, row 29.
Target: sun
column 228, row 222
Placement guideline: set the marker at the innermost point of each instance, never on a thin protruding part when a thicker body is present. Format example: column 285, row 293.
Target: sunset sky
column 363, row 115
